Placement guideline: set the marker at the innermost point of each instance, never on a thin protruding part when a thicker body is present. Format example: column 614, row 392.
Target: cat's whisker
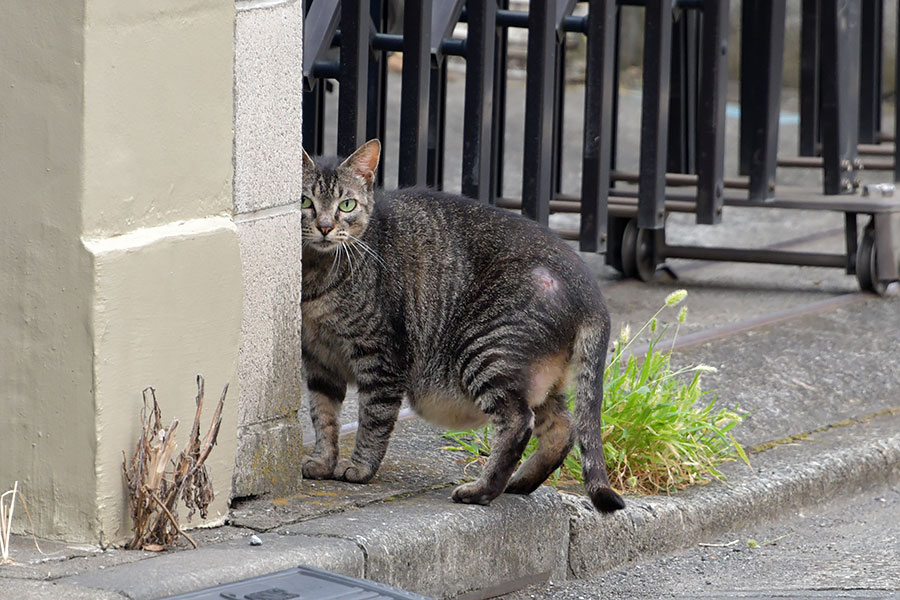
column 368, row 249
column 334, row 263
column 349, row 260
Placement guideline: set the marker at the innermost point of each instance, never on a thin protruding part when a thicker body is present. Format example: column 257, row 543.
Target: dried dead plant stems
column 155, row 480
column 6, row 517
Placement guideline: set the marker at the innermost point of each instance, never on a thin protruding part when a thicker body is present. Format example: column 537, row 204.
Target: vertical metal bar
column 598, row 115
column 692, row 73
column 761, row 80
column 840, row 89
column 897, row 106
column 850, row 234
column 377, row 82
column 352, row 100
column 681, row 151
column 498, row 131
column 538, row 146
column 810, row 52
column 478, row 113
column 414, row 99
column 711, row 127
column 436, row 122
column 382, row 114
column 748, row 73
column 676, row 159
column 614, row 134
column 559, row 112
column 313, row 116
column 654, row 113
column 870, row 72
column 441, row 126
column 373, row 108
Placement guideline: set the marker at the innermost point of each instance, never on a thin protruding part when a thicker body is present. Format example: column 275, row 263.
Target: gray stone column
column 268, row 81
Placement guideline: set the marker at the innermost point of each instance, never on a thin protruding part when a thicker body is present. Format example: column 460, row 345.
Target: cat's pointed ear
column 308, row 164
column 364, row 161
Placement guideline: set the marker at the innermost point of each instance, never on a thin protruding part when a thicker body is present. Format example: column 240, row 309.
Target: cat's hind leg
column 556, row 436
column 513, row 422
column 327, row 392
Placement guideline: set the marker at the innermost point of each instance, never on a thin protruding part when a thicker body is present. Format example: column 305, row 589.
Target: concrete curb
column 654, row 526
column 426, row 544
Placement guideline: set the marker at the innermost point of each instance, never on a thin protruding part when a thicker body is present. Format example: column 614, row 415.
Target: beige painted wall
column 119, row 261
column 45, row 274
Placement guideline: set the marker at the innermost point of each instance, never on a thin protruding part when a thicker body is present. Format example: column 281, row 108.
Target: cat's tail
column 590, row 352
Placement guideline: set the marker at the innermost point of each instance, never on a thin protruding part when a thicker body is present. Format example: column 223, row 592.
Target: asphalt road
column 847, row 550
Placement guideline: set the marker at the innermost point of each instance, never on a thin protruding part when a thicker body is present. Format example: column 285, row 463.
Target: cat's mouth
column 325, row 245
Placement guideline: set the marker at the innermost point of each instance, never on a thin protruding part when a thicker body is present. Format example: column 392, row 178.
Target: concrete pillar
column 119, row 260
column 268, row 79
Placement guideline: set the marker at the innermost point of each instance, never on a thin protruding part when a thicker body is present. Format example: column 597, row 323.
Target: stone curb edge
column 428, row 545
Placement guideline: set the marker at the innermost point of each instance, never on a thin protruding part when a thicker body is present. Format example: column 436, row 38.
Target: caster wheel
column 629, row 245
column 638, row 252
column 866, row 271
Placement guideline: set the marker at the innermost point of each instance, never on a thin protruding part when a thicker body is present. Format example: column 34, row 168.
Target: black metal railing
column 683, row 100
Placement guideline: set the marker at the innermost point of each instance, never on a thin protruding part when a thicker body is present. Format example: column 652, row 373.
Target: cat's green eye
column 306, row 202
column 347, row 205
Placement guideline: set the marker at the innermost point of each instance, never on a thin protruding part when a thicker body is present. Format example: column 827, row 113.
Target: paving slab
column 417, row 461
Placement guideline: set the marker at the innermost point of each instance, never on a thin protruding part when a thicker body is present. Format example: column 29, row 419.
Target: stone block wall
column 268, row 81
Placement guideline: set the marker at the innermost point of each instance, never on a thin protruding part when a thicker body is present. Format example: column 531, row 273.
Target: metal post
column 840, row 89
column 314, row 116
column 412, row 167
column 810, row 52
column 654, row 113
column 477, row 134
column 762, row 40
column 598, row 116
column 559, row 114
column 377, row 84
column 354, row 70
column 897, row 108
column 538, row 146
column 711, row 127
column 870, row 71
column 498, row 129
column 682, row 147
column 437, row 114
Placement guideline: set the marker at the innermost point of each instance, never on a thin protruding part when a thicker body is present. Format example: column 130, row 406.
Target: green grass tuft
column 661, row 431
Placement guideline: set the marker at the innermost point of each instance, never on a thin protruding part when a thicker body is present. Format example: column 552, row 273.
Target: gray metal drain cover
column 302, row 583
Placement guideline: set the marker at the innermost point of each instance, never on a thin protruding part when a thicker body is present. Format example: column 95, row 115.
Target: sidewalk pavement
column 820, row 379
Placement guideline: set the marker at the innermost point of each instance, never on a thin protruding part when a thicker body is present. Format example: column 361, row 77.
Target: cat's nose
column 325, row 229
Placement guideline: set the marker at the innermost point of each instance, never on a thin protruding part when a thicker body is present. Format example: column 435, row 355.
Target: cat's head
column 338, row 197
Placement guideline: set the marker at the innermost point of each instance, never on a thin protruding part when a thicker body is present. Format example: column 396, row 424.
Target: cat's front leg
column 379, row 405
column 327, row 390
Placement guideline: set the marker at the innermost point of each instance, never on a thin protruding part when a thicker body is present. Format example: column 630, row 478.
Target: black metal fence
column 682, row 140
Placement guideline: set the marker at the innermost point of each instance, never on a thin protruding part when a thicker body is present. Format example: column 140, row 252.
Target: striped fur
column 471, row 313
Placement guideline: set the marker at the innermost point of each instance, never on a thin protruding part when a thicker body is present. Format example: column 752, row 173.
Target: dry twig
column 155, row 480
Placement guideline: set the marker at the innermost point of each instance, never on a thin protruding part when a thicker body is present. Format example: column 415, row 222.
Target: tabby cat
column 472, row 313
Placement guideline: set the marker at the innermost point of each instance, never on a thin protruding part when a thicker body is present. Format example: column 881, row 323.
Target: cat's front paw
column 472, row 493
column 353, row 472
column 315, row 467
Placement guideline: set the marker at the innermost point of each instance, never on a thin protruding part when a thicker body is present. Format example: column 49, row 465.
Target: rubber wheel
column 645, row 255
column 629, row 250
column 866, row 270
column 638, row 253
